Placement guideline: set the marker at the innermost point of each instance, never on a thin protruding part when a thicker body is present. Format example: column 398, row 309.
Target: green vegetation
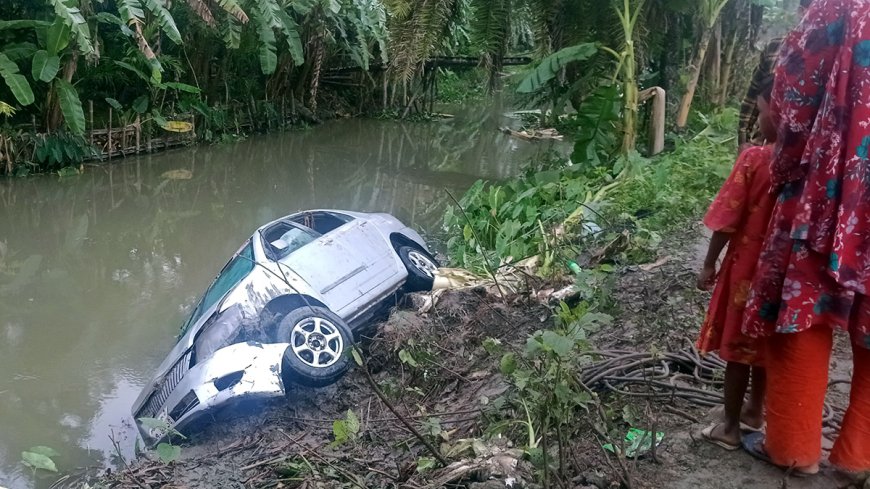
column 152, row 62
column 556, row 208
column 582, row 220
column 166, row 451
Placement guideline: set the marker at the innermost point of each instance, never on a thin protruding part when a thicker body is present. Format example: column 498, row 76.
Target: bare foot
column 808, row 470
column 720, row 434
column 752, row 420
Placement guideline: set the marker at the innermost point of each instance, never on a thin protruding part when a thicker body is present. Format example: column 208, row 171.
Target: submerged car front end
column 235, row 373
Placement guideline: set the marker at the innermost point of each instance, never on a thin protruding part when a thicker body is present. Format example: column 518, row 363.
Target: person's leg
column 753, row 410
column 851, row 451
column 736, row 382
column 797, row 374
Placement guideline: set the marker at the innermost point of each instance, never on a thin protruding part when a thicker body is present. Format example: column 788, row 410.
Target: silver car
column 283, row 311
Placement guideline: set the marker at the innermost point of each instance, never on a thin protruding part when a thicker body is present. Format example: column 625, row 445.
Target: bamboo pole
column 138, row 131
column 109, row 135
column 657, row 118
column 91, row 111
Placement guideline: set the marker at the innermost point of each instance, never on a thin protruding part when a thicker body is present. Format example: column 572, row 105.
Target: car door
column 369, row 247
column 328, row 268
column 344, row 265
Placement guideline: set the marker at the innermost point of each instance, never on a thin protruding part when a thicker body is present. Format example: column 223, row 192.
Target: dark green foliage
column 595, row 125
column 61, row 149
column 552, row 65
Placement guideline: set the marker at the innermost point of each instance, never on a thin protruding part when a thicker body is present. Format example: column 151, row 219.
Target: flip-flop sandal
column 707, row 433
column 753, row 443
column 749, row 429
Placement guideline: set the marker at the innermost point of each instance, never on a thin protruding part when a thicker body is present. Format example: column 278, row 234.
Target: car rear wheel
column 319, row 341
column 421, row 268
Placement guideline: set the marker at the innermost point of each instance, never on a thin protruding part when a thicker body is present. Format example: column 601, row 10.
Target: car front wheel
column 421, row 268
column 319, row 341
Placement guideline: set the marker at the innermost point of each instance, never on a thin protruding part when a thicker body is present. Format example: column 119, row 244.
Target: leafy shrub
column 54, row 151
column 556, row 209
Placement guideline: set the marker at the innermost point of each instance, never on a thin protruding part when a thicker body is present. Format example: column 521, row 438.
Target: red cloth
column 743, row 208
column 797, row 380
column 816, row 262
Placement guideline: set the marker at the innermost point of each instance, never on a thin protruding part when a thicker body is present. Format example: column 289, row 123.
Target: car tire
column 421, row 268
column 319, row 345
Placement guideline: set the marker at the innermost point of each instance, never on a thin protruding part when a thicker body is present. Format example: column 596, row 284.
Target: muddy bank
column 439, row 371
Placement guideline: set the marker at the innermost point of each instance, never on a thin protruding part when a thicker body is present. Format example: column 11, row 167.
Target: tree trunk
column 727, row 67
column 716, row 60
column 55, row 117
column 694, row 76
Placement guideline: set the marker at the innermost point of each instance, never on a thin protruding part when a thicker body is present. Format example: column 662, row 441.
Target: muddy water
column 97, row 271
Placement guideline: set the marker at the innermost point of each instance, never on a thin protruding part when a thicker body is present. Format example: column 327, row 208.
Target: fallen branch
column 360, row 360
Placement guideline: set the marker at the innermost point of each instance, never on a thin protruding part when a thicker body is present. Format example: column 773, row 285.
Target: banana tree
column 628, row 15
column 707, row 14
column 53, row 39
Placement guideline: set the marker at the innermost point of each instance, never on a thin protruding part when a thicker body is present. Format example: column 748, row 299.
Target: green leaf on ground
column 168, row 453
column 407, row 358
column 508, row 364
column 425, row 464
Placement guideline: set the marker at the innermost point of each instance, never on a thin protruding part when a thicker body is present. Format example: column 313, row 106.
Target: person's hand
column 707, row 277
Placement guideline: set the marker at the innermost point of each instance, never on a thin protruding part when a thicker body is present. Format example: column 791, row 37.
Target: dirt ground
column 450, row 391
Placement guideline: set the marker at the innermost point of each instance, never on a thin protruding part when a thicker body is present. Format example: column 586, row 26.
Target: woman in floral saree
column 813, row 275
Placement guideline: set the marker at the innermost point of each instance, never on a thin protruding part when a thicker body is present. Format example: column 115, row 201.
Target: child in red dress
column 738, row 218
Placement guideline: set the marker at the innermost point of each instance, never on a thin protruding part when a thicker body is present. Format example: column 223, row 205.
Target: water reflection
column 96, row 271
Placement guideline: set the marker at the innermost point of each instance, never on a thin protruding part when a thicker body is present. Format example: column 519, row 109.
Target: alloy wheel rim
column 316, row 342
column 422, row 263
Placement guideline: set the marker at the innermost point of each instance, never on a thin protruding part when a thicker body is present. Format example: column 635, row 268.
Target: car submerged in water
column 282, row 311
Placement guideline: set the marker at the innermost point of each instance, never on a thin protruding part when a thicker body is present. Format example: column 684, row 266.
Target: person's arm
column 707, row 276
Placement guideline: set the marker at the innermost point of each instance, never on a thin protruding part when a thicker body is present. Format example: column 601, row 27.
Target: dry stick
column 383, row 398
column 349, row 476
column 117, row 445
column 599, row 409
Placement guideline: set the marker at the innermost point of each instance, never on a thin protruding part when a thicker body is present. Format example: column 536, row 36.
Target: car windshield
column 233, row 273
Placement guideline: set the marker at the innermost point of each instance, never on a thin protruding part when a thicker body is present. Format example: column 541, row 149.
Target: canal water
column 98, row 270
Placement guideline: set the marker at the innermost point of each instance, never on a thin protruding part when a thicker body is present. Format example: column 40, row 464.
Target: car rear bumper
column 235, row 373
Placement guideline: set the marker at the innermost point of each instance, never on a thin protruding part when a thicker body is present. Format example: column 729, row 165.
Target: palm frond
column 416, row 37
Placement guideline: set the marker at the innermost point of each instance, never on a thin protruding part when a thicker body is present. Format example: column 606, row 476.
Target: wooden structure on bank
column 127, row 139
column 118, row 136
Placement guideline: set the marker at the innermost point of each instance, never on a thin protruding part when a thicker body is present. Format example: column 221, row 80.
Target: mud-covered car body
column 228, row 350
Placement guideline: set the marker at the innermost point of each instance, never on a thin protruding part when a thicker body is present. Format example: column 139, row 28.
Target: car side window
column 233, row 272
column 284, row 238
column 322, row 222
